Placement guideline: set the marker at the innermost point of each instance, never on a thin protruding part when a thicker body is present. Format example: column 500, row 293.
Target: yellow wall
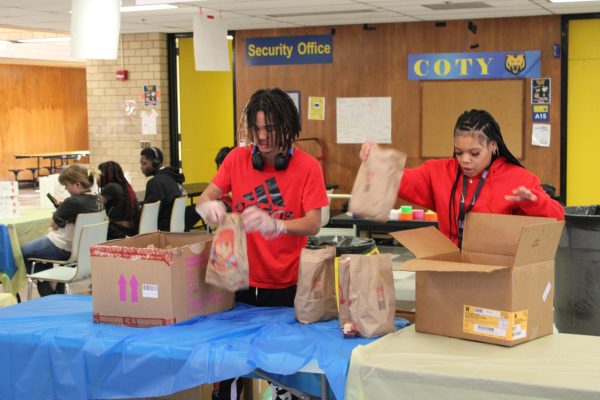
column 207, row 121
column 583, row 116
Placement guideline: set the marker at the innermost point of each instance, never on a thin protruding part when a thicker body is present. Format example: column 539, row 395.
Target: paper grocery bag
column 228, row 262
column 315, row 293
column 376, row 185
column 369, row 295
column 344, row 292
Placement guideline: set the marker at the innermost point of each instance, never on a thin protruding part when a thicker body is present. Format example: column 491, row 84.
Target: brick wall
column 115, row 107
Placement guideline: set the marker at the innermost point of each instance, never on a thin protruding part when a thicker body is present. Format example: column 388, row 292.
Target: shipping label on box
column 154, row 279
column 493, row 323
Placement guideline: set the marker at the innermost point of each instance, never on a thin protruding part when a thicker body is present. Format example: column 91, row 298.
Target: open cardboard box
column 499, row 289
column 154, row 279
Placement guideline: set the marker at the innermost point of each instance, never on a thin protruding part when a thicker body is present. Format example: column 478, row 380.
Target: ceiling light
column 46, row 40
column 150, row 7
column 569, row 1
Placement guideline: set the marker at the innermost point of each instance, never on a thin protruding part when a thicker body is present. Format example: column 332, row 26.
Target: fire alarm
column 122, row 75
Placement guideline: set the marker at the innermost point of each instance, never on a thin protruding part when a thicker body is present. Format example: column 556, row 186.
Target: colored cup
column 430, row 216
column 418, row 215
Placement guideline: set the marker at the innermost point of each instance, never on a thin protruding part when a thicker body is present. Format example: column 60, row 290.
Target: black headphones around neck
column 281, row 160
column 156, row 160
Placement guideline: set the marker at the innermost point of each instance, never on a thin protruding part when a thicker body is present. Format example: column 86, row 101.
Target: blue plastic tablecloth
column 51, row 349
column 7, row 261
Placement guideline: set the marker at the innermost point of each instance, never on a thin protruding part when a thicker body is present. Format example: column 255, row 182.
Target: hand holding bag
column 228, row 267
column 375, row 188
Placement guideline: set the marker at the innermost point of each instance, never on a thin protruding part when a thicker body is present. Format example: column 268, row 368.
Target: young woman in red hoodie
column 482, row 176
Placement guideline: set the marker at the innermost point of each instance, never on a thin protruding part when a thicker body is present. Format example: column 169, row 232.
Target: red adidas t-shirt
column 286, row 194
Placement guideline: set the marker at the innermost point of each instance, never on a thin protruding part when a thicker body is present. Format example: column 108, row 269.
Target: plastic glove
column 256, row 219
column 212, row 211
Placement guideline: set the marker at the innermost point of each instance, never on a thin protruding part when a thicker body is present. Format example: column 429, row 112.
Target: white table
column 412, row 365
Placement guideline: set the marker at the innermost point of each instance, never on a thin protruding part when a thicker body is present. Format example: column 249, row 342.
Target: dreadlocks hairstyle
column 280, row 113
column 111, row 172
column 485, row 128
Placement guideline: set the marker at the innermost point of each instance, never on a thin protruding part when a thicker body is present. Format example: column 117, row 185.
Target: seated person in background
column 166, row 184
column 119, row 199
column 482, row 176
column 56, row 245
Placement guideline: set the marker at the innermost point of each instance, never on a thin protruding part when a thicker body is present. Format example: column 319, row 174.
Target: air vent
column 456, row 6
column 312, row 14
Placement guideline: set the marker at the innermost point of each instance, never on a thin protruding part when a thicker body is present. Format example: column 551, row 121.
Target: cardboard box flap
column 425, row 242
column 418, row 265
column 538, row 243
column 496, row 233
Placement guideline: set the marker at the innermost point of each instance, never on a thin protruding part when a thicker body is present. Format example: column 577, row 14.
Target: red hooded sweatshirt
column 430, row 185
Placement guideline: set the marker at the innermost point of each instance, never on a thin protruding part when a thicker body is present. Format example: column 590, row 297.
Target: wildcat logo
column 515, row 63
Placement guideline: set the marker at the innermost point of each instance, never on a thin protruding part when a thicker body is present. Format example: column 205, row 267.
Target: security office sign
column 313, row 49
column 485, row 65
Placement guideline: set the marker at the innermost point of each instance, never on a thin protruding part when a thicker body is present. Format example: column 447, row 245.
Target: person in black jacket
column 166, row 184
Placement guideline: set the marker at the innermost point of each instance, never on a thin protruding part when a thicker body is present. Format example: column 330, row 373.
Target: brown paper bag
column 228, row 262
column 315, row 293
column 376, row 185
column 369, row 293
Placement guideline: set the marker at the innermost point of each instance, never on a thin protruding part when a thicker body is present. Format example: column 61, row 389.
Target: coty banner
column 489, row 65
column 314, row 49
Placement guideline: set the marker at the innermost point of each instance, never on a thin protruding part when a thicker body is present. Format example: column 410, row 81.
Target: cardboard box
column 154, row 279
column 499, row 289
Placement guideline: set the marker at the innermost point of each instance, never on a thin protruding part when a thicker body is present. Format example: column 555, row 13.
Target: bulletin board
column 444, row 101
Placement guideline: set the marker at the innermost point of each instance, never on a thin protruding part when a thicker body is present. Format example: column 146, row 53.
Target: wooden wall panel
column 373, row 63
column 42, row 109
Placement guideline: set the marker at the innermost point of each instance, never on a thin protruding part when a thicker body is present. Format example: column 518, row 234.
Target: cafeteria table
column 15, row 231
column 51, row 349
column 411, row 365
column 361, row 224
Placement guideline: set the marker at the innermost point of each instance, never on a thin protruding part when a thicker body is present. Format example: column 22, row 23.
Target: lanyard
column 461, row 208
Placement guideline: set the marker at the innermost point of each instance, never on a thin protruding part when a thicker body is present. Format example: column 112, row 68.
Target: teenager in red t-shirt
column 279, row 191
column 483, row 173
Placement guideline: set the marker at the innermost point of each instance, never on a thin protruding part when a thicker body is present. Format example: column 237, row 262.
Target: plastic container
column 418, row 215
column 577, row 273
column 430, row 216
column 406, row 213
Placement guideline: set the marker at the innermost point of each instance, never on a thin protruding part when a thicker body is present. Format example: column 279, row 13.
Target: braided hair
column 111, row 172
column 486, row 129
column 280, row 113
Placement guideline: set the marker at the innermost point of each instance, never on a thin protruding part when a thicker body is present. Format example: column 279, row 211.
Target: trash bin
column 577, row 274
column 343, row 244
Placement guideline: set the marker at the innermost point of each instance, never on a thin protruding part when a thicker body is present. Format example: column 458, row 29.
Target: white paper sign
column 211, row 51
column 364, row 118
column 149, row 122
column 540, row 135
